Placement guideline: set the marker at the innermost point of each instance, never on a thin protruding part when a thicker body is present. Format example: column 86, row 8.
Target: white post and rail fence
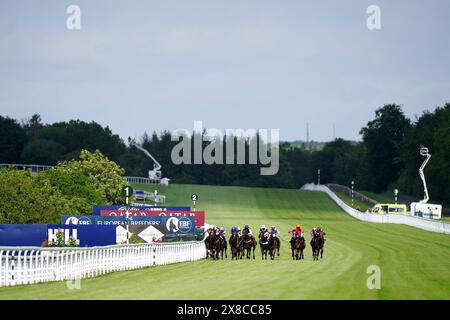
column 29, row 265
column 39, row 168
column 418, row 222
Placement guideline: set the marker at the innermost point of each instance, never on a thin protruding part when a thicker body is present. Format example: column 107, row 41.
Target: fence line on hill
column 28, row 265
column 348, row 191
column 32, row 167
column 421, row 223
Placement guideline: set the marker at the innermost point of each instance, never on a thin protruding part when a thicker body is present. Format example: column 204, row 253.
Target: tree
column 325, row 158
column 33, row 125
column 12, row 140
column 26, row 198
column 77, row 135
column 381, row 138
column 105, row 175
column 431, row 130
column 42, row 151
column 76, row 187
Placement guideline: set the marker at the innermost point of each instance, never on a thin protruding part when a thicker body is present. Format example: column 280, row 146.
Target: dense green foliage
column 77, row 187
column 12, row 140
column 26, row 198
column 414, row 263
column 104, row 175
column 386, row 158
column 70, row 188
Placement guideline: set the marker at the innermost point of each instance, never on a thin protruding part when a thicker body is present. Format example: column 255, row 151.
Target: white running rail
column 28, row 265
column 142, row 180
column 421, row 223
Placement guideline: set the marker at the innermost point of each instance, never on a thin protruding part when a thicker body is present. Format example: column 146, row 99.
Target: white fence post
column 421, row 223
column 22, row 265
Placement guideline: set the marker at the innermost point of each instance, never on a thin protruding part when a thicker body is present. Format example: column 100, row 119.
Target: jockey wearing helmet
column 315, row 231
column 299, row 230
column 274, row 231
column 222, row 232
column 234, row 229
column 248, row 230
column 262, row 230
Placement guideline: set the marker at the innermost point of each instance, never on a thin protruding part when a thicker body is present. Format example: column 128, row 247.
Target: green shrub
column 76, row 187
column 105, row 175
column 26, row 198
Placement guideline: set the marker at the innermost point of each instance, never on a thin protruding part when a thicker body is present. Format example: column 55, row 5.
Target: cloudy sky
column 152, row 65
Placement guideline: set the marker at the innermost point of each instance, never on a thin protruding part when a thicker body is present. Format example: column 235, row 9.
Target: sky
column 154, row 65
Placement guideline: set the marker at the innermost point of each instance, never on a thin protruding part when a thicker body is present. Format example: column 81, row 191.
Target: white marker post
column 194, row 198
column 128, row 191
column 395, row 194
column 156, row 194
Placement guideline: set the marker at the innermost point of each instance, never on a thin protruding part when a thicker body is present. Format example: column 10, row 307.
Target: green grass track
column 414, row 264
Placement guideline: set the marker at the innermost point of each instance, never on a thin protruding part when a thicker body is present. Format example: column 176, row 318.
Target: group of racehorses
column 245, row 245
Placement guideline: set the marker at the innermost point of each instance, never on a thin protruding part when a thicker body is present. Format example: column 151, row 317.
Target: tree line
column 387, row 156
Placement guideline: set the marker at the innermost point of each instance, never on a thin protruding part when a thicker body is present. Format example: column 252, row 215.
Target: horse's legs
column 321, row 253
column 254, row 247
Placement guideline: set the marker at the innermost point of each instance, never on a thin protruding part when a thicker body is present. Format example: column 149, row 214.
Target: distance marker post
column 127, row 192
column 194, row 199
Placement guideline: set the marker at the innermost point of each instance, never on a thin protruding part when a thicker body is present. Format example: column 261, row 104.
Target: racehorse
column 297, row 247
column 317, row 244
column 222, row 247
column 274, row 246
column 248, row 243
column 277, row 245
column 264, row 245
column 234, row 242
column 212, row 243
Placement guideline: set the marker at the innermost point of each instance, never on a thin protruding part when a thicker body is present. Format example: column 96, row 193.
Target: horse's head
column 321, row 233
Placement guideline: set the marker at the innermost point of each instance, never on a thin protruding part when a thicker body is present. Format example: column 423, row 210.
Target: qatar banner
column 199, row 215
column 97, row 209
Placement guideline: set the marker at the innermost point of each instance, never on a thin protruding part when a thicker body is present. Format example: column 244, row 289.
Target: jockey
column 299, row 230
column 222, row 232
column 264, row 237
column 234, row 229
column 274, row 231
column 249, row 231
column 315, row 231
column 262, row 230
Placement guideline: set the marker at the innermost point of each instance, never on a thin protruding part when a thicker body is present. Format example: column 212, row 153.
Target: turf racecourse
column 414, row 264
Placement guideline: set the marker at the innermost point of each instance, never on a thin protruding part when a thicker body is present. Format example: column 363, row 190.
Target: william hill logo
column 68, row 233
